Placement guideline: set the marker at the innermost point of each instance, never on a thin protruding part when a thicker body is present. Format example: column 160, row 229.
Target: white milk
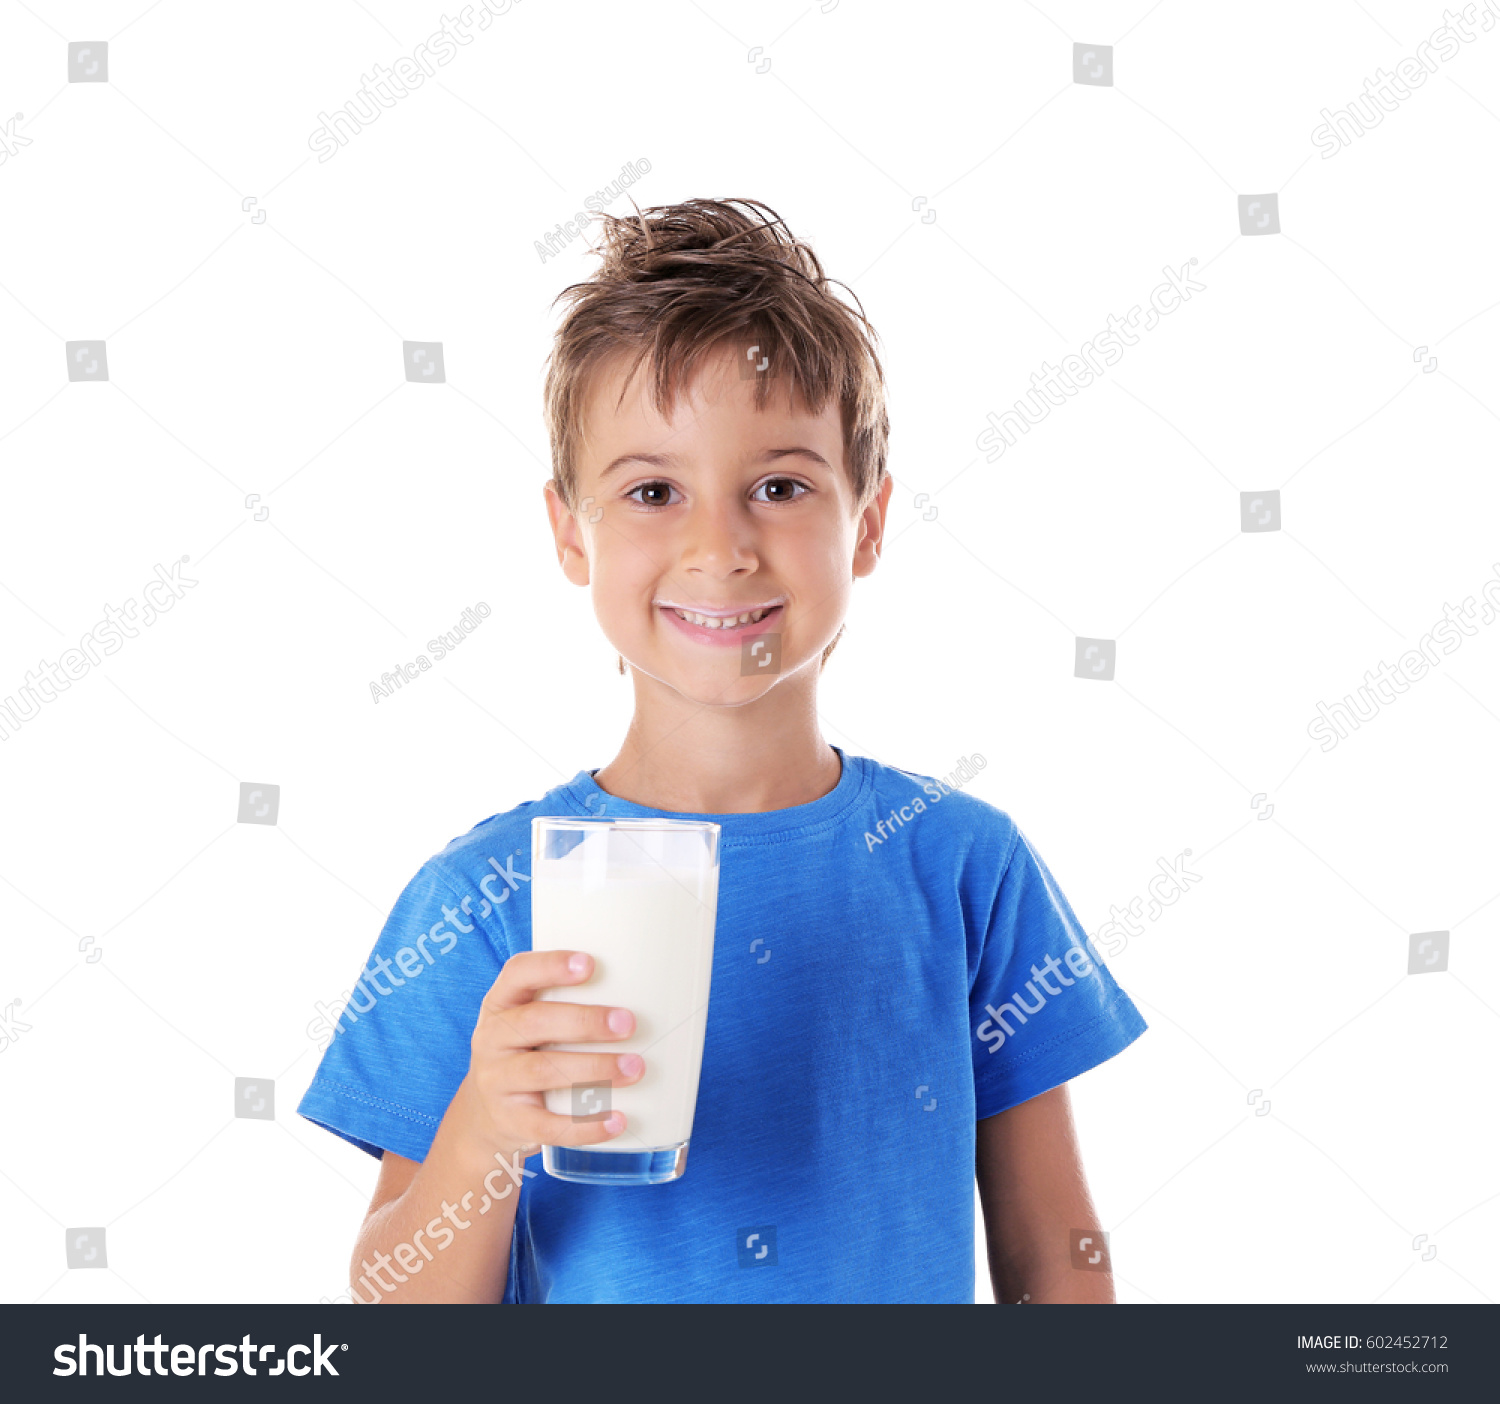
column 652, row 941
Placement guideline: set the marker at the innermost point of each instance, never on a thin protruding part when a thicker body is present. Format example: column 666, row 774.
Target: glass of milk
column 640, row 896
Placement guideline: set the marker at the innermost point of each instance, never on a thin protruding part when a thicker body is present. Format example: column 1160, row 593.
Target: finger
column 552, row 1021
column 527, row 972
column 549, row 1069
column 541, row 1127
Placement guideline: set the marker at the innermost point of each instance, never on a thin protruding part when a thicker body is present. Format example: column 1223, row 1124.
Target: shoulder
column 502, row 843
column 943, row 811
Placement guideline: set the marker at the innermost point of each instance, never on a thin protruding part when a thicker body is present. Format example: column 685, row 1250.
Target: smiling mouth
column 729, row 622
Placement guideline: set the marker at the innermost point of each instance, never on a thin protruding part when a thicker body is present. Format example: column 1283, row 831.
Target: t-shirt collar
column 583, row 795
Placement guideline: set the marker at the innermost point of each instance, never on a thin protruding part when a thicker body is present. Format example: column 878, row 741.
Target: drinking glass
column 640, row 896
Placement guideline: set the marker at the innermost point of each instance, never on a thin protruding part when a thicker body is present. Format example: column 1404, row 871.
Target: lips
column 723, row 632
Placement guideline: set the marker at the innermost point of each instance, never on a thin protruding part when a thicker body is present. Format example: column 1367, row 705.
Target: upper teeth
column 711, row 622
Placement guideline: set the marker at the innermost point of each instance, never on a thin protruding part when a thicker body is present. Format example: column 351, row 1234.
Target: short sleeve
column 1043, row 1007
column 402, row 1041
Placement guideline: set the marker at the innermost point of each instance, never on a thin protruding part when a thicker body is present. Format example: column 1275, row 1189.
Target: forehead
column 714, row 398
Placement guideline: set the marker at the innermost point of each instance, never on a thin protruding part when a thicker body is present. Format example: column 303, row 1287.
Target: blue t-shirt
column 892, row 962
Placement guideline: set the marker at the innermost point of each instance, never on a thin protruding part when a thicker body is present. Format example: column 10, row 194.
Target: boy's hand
column 508, row 1073
column 498, row 1112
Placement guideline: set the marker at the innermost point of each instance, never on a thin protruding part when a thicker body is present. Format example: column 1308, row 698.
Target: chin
column 718, row 692
column 711, row 686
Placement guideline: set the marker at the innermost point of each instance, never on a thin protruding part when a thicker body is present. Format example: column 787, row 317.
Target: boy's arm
column 430, row 1209
column 1033, row 1193
column 440, row 1230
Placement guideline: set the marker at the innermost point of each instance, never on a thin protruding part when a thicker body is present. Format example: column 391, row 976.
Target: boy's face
column 717, row 509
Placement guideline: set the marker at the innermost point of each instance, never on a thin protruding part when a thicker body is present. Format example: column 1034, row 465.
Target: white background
column 265, row 358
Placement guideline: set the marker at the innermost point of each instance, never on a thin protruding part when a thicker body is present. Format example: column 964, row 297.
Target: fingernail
column 619, row 1020
column 630, row 1063
column 578, row 962
column 614, row 1122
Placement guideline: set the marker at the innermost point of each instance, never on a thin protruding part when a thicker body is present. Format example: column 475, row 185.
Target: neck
column 697, row 758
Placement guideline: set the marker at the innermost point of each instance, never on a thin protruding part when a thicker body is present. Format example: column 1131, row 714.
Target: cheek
column 622, row 582
column 835, row 569
column 628, row 548
column 615, row 557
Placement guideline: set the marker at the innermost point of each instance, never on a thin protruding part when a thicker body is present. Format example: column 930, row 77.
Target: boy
column 719, row 441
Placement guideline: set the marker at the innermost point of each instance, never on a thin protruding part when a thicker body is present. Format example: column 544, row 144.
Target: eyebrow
column 672, row 460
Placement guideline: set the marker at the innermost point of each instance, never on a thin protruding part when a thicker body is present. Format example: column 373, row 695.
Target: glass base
column 584, row 1165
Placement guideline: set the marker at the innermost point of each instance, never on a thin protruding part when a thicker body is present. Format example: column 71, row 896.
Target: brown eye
column 664, row 489
column 787, row 489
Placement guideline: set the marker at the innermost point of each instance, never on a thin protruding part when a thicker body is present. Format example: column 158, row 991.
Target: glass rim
column 570, row 821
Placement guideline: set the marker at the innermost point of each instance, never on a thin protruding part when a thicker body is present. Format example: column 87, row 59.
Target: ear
column 571, row 554
column 872, row 530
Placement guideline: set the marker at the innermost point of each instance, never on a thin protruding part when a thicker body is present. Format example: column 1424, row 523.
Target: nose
column 718, row 538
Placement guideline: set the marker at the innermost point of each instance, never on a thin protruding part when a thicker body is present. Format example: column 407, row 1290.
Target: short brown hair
column 678, row 283
column 681, row 282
